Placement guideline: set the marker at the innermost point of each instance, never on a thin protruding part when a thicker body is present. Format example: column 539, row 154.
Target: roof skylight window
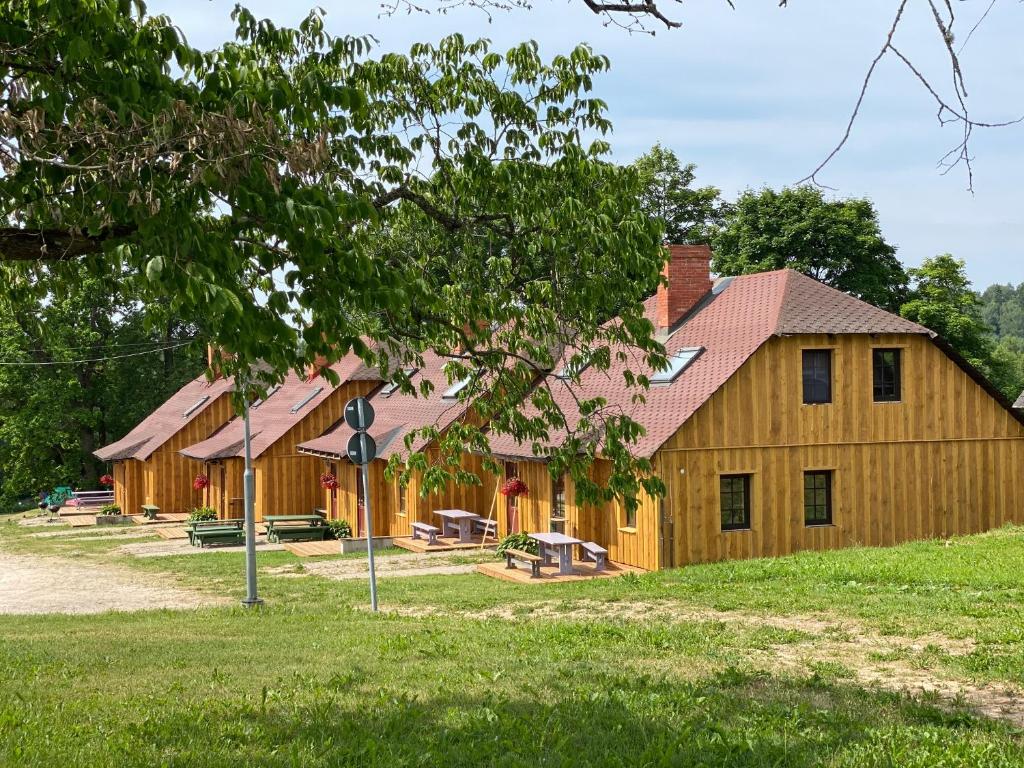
column 270, row 394
column 392, row 386
column 305, row 401
column 453, row 391
column 189, row 411
column 677, row 363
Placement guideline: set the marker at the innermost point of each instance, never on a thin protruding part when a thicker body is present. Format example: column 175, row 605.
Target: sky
column 759, row 95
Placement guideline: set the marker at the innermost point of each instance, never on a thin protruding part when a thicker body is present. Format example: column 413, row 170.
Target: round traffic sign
column 359, row 414
column 362, row 449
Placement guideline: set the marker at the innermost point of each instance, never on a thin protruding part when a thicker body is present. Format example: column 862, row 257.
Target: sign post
column 362, row 449
column 252, row 599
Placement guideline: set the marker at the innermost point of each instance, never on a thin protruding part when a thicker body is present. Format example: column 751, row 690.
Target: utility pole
column 251, row 600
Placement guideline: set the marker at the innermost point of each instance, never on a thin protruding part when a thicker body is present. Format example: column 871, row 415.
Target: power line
column 93, row 360
column 125, row 345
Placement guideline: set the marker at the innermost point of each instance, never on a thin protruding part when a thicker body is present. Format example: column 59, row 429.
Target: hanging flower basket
column 201, row 481
column 328, row 481
column 106, row 481
column 514, row 487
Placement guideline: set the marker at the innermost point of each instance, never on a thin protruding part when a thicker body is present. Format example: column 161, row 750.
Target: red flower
column 106, row 480
column 514, row 487
column 201, row 481
column 329, row 481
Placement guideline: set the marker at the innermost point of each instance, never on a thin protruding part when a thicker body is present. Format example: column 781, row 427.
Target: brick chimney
column 316, row 368
column 688, row 272
column 214, row 360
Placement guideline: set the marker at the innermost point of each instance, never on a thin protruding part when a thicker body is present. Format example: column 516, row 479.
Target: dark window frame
column 746, row 484
column 559, row 507
column 811, row 359
column 883, row 391
column 825, row 517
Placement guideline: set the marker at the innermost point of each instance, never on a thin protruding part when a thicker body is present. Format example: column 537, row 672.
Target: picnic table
column 294, row 527
column 558, row 543
column 460, row 519
column 202, row 532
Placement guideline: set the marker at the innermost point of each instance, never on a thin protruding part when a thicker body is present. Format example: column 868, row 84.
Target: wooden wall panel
column 943, row 461
column 129, row 485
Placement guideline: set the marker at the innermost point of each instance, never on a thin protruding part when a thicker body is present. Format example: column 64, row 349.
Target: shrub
column 518, row 541
column 338, row 529
column 202, row 513
column 111, row 509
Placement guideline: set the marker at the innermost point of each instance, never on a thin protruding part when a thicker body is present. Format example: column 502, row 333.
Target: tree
column 687, row 214
column 257, row 188
column 942, row 300
column 836, row 241
column 79, row 370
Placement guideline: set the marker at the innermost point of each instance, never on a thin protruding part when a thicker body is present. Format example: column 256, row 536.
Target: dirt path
column 32, row 585
column 872, row 659
column 411, row 564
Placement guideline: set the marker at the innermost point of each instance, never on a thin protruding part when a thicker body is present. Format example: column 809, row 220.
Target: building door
column 511, row 502
column 222, row 505
column 360, row 503
column 668, row 544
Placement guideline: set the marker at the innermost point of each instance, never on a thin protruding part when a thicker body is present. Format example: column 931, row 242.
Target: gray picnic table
column 460, row 519
column 561, row 544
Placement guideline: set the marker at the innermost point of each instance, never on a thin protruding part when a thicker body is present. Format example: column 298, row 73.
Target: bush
column 518, row 541
column 202, row 513
column 111, row 509
column 338, row 529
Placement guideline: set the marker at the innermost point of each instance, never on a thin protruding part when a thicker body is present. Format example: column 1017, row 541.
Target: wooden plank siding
column 389, row 516
column 288, row 482
column 165, row 478
column 944, row 461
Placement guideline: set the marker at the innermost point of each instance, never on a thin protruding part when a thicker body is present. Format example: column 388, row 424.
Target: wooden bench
column 595, row 552
column 486, row 527
column 428, row 530
column 295, row 528
column 227, row 534
column 207, row 525
column 93, row 498
column 150, row 511
column 518, row 554
column 296, row 532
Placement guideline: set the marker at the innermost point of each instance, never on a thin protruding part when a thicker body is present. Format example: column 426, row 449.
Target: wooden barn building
column 397, row 415
column 287, row 482
column 147, row 468
column 793, row 417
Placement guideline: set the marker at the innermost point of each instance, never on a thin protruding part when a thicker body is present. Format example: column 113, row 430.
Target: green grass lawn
column 313, row 679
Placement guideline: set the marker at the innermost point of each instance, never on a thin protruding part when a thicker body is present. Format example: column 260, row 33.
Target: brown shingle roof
column 272, row 418
column 398, row 414
column 730, row 325
column 166, row 421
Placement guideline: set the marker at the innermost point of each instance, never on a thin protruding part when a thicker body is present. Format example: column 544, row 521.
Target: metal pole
column 249, row 492
column 369, row 516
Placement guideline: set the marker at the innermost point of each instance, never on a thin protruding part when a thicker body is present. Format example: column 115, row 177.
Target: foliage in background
column 518, row 541
column 201, row 514
column 338, row 529
column 941, row 298
column 264, row 187
column 838, row 242
column 689, row 215
column 54, row 413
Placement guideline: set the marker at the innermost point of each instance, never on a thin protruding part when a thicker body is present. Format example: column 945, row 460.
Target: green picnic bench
column 150, row 511
column 295, row 528
column 202, row 532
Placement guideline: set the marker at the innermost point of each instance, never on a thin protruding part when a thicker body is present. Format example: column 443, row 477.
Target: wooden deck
column 313, row 548
column 444, row 544
column 549, row 574
column 161, row 519
column 80, row 521
column 171, row 532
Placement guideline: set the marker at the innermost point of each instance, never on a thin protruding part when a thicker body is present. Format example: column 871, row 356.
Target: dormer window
column 305, row 401
column 677, row 363
column 192, row 409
